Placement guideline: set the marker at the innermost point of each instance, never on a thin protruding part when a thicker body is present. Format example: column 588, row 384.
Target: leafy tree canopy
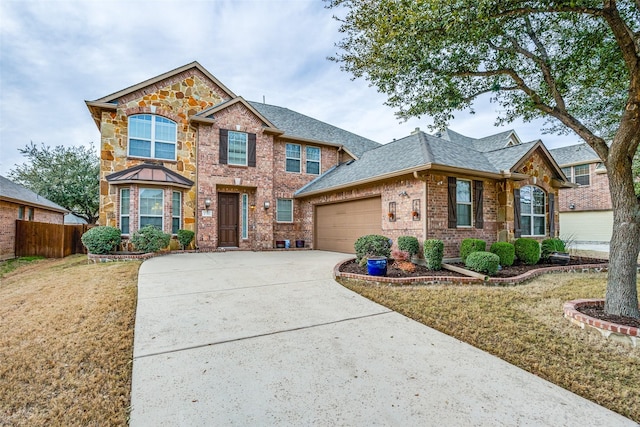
column 68, row 176
column 574, row 62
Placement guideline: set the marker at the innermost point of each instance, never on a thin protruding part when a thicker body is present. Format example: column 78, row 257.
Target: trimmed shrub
column 409, row 244
column 506, row 251
column 483, row 262
column 469, row 246
column 101, row 240
column 549, row 246
column 372, row 245
column 185, row 237
column 150, row 239
column 433, row 253
column 527, row 250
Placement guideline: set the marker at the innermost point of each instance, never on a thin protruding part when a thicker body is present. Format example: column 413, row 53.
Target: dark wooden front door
column 227, row 219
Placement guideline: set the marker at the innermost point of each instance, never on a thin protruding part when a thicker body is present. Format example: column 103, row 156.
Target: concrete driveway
column 261, row 339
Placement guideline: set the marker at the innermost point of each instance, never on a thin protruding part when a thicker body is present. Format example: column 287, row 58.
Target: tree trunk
column 622, row 292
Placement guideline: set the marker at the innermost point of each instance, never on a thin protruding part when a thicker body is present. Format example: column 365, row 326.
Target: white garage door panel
column 594, row 226
column 339, row 225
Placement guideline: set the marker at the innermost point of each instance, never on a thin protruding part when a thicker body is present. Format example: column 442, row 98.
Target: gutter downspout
column 423, row 207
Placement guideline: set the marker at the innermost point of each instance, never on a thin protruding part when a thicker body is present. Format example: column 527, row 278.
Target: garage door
column 593, row 226
column 339, row 225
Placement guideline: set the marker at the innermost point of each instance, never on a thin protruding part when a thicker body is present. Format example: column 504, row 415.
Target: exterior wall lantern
column 207, row 203
column 267, row 205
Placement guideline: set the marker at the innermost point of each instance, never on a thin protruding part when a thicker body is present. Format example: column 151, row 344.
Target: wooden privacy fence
column 49, row 240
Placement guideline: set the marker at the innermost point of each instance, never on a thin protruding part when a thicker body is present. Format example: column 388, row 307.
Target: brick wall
column 592, row 197
column 8, row 217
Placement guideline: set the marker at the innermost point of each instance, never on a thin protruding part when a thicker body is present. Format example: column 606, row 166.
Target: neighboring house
column 183, row 151
column 17, row 202
column 586, row 213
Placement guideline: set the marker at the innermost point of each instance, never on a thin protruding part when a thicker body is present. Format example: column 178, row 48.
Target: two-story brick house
column 181, row 150
column 586, row 212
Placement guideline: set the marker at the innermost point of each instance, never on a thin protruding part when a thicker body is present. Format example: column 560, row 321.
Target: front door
column 227, row 220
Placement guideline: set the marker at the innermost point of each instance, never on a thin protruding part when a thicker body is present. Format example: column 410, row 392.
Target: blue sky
column 55, row 54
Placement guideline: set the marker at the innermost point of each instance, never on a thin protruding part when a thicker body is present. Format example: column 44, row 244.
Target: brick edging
column 452, row 280
column 607, row 329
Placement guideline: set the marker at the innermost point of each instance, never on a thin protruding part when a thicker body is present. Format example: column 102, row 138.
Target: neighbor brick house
column 20, row 203
column 183, row 151
column 586, row 212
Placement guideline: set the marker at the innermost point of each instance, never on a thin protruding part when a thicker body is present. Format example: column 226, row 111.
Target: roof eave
column 147, row 182
column 35, row 205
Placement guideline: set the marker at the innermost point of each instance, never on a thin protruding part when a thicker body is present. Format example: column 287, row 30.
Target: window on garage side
column 284, row 210
column 313, row 160
column 292, row 158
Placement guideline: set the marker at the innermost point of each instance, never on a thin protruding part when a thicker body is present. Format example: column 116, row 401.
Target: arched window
column 533, row 202
column 152, row 137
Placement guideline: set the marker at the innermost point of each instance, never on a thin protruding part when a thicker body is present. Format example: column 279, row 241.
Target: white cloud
column 54, row 55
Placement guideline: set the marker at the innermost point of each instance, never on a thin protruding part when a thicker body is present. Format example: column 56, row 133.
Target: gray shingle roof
column 17, row 193
column 572, row 154
column 417, row 150
column 298, row 125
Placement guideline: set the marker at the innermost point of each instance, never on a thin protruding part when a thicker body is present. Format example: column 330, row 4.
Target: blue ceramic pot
column 377, row 266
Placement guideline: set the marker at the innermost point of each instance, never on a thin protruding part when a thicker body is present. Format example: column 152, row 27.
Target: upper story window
column 313, row 160
column 532, row 211
column 581, row 174
column 152, row 137
column 463, row 202
column 237, row 148
column 567, row 172
column 292, row 156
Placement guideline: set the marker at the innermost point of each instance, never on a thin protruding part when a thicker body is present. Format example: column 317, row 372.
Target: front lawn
column 524, row 325
column 66, row 342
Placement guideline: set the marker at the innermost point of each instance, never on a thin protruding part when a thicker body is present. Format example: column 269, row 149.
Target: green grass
column 524, row 325
column 12, row 264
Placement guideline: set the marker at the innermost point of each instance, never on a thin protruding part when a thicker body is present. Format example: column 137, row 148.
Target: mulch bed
column 597, row 311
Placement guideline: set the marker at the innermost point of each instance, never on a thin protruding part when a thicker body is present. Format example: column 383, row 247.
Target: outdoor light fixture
column 572, row 206
column 252, row 206
column 267, row 205
column 207, row 203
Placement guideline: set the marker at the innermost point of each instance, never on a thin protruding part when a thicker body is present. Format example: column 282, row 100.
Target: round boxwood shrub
column 506, row 251
column 550, row 246
column 185, row 237
column 372, row 245
column 483, row 262
column 409, row 244
column 469, row 246
column 101, row 240
column 150, row 239
column 433, row 253
column 527, row 250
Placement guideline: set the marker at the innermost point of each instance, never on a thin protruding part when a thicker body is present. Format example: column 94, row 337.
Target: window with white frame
column 176, row 212
column 152, row 137
column 245, row 216
column 284, row 210
column 463, row 203
column 151, row 207
column 292, row 155
column 581, row 174
column 125, row 198
column 532, row 211
column 567, row 172
column 313, row 160
column 237, row 148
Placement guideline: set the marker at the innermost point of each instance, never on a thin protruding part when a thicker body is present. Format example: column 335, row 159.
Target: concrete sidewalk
column 260, row 339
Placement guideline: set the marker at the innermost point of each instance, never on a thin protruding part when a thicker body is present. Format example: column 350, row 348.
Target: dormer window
column 152, row 137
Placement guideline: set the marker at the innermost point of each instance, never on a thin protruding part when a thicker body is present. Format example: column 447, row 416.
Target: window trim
column 128, row 215
column 244, row 231
column 230, row 134
column 173, row 210
column 278, row 210
column 30, row 213
column 140, row 191
column 286, row 158
column 152, row 138
column 21, row 210
column 469, row 203
column 531, row 215
column 569, row 176
column 307, row 161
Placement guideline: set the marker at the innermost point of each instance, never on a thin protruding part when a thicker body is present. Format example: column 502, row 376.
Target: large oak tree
column 68, row 176
column 574, row 62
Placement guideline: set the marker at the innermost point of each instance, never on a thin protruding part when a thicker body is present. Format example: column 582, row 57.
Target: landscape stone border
column 613, row 331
